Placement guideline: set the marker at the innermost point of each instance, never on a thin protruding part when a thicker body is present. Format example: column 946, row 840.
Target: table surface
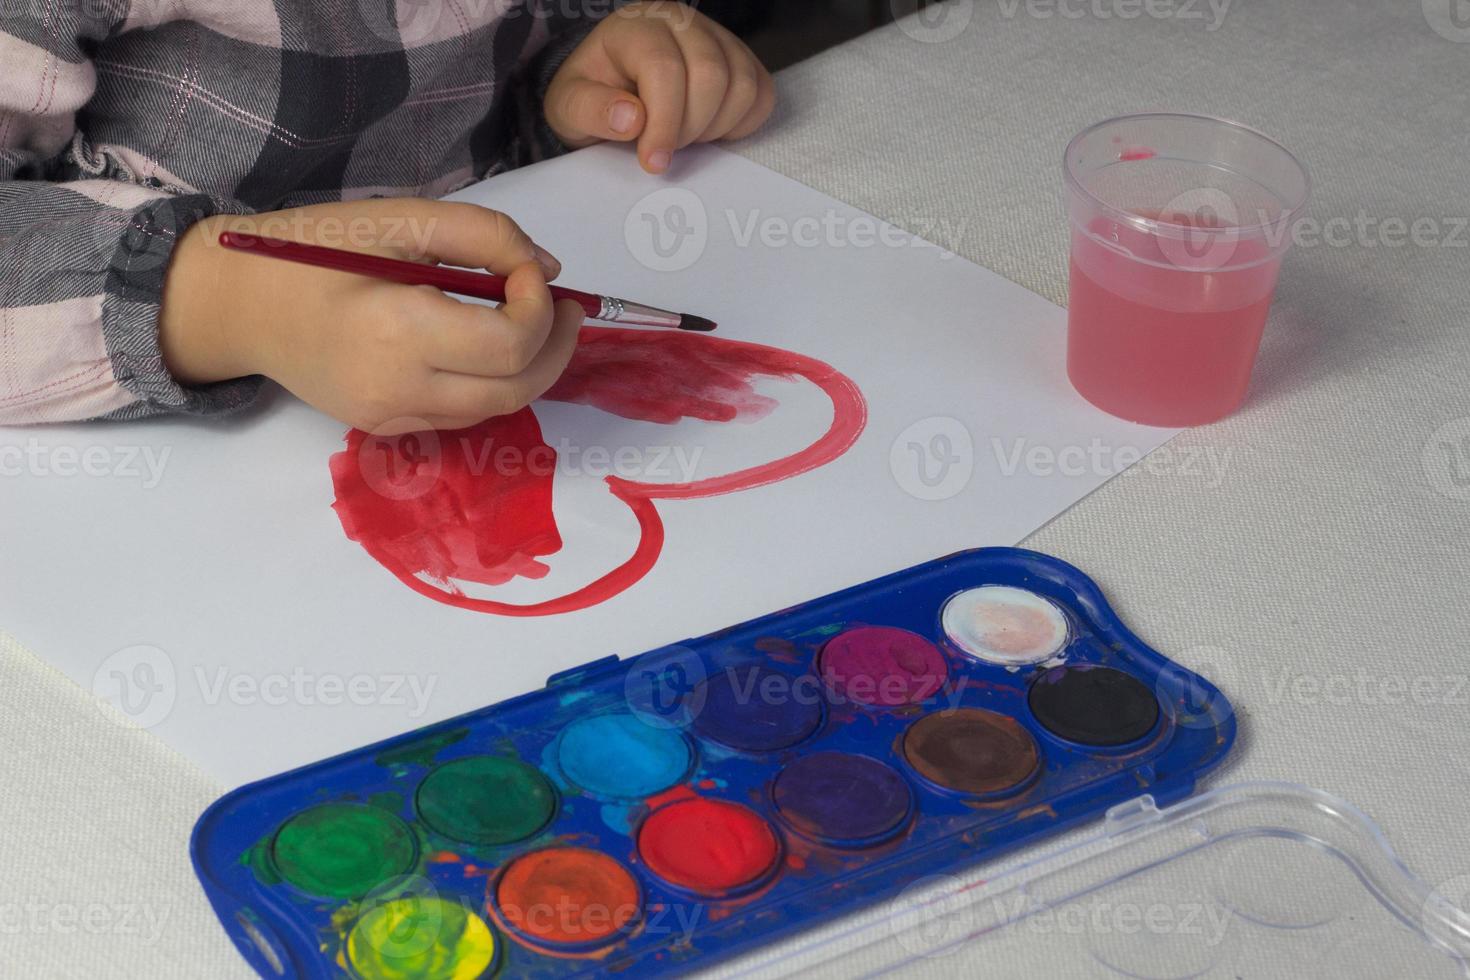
column 1321, row 556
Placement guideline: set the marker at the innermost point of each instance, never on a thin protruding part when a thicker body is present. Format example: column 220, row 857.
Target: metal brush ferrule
column 616, row 310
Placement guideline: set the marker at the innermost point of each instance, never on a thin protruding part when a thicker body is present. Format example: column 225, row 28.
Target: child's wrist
column 204, row 326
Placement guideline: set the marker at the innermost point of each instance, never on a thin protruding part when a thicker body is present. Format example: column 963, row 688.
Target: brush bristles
column 688, row 321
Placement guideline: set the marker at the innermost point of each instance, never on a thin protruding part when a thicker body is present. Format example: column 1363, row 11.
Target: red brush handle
column 480, row 285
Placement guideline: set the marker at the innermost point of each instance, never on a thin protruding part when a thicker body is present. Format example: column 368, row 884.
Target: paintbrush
column 480, row 285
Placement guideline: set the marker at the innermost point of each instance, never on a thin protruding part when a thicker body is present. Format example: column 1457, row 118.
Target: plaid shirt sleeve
column 116, row 136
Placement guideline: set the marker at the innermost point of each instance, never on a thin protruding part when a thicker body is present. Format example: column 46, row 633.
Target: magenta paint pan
column 882, row 666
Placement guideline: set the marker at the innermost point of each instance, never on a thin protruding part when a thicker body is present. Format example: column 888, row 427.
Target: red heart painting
column 435, row 519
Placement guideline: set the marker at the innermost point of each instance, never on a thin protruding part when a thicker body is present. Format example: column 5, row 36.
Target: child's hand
column 380, row 356
column 664, row 75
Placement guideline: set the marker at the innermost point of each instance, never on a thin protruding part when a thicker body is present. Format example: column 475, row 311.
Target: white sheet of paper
column 195, row 573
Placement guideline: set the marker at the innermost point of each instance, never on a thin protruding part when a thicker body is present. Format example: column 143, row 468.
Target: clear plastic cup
column 1179, row 223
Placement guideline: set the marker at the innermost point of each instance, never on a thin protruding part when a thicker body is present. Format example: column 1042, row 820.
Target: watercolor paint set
column 662, row 813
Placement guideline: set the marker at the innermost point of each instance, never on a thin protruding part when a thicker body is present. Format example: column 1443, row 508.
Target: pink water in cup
column 1178, row 225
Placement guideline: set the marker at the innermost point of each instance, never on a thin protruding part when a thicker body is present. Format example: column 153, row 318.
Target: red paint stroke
column 475, row 505
column 414, row 507
column 472, row 519
column 663, row 377
column 659, row 377
column 1137, row 153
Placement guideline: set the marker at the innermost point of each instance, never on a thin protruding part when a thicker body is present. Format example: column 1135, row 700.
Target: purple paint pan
column 843, row 799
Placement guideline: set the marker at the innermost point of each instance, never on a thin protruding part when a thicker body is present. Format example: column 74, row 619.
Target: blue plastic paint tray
column 670, row 811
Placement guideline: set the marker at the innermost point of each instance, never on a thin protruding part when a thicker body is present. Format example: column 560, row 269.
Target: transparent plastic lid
column 1250, row 880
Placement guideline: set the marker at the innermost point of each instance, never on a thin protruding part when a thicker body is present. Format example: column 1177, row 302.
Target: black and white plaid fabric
column 122, row 122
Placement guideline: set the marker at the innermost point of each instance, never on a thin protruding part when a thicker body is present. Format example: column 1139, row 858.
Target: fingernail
column 622, row 116
column 659, row 160
column 548, row 262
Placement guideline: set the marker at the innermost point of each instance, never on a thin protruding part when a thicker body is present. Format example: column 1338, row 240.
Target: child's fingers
column 527, row 300
column 460, row 396
column 547, row 368
column 708, row 73
column 469, row 338
column 585, row 111
column 742, row 90
column 476, row 237
column 655, row 63
column 760, row 111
